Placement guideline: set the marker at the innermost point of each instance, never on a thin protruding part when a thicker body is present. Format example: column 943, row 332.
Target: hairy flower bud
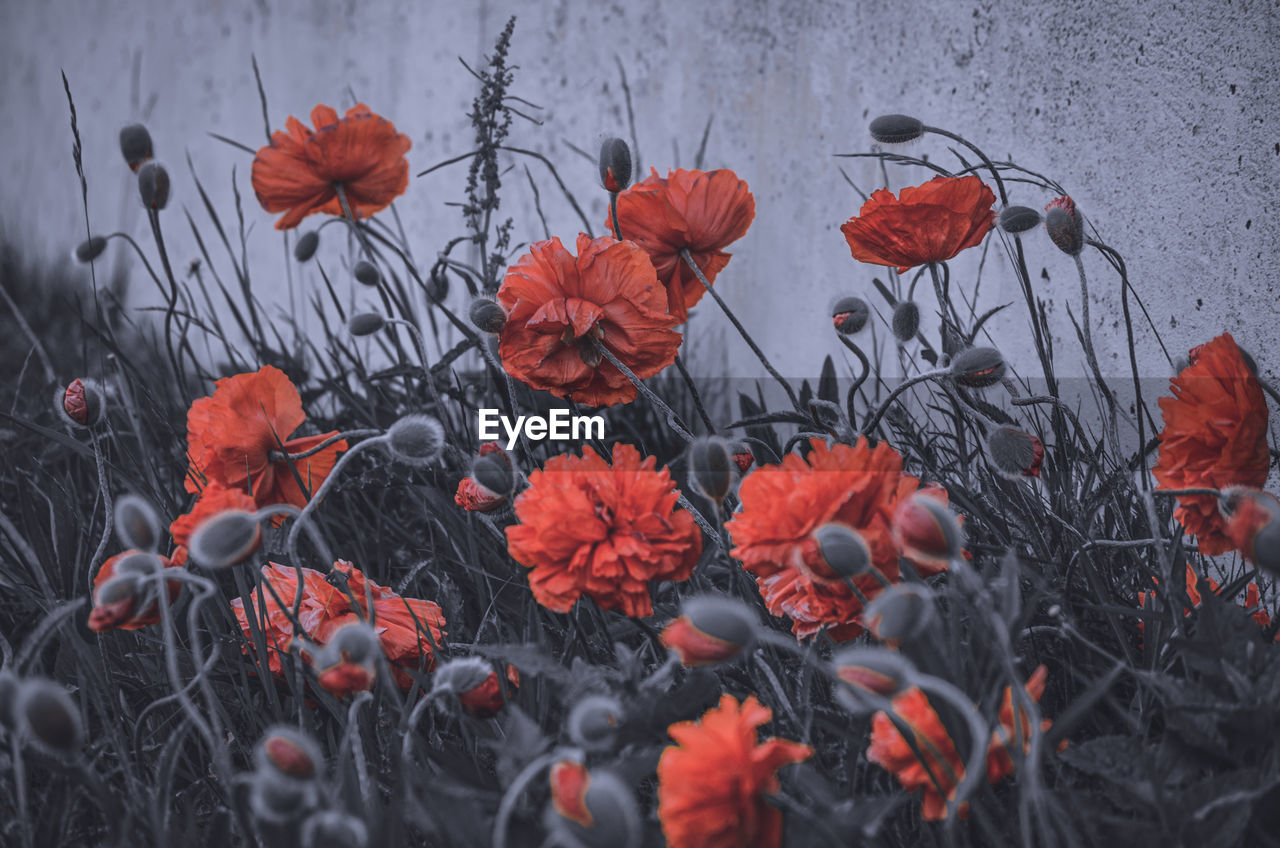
column 289, row 752
column 869, row 671
column 81, row 403
column 153, row 185
column 137, row 524
column 850, row 314
column 49, row 716
column 1253, row 525
column 842, row 550
column 593, row 722
column 89, row 250
column 492, row 470
column 1065, row 226
column 901, row 613
column 366, row 273
column 1018, row 219
column 437, row 288
column 225, row 539
column 896, row 129
column 416, row 439
column 348, row 662
column 711, row 629
column 1015, row 453
column 277, row 799
column 615, row 165
column 906, row 320
column 978, row 367
column 365, row 323
column 488, row 315
column 926, row 530
column 595, row 808
column 460, row 675
column 711, row 467
column 305, row 247
column 135, row 145
column 334, row 829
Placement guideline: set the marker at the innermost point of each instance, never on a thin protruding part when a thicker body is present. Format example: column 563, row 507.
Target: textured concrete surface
column 1162, row 120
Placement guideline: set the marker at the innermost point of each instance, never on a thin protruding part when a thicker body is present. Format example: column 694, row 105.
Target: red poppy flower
column 942, row 769
column 714, row 782
column 606, row 532
column 927, row 223
column 782, row 505
column 299, row 171
column 214, row 499
column 407, row 628
column 128, row 604
column 700, row 211
column 1214, row 436
column 559, row 306
column 1252, row 599
column 234, row 437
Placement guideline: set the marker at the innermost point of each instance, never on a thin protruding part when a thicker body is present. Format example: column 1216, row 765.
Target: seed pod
column 901, row 613
column 488, row 315
column 225, row 539
column 926, row 530
column 849, row 315
column 615, row 165
column 602, row 813
column 870, row 671
column 305, row 247
column 896, row 129
column 49, row 716
column 334, row 829
column 153, row 185
column 135, row 145
column 365, row 323
column 842, row 551
column 289, row 752
column 137, row 524
column 1015, row 453
column 1018, row 219
column 366, row 273
column 711, row 467
column 711, row 629
column 593, row 722
column 1065, row 225
column 1253, row 525
column 81, row 403
column 906, row 320
column 492, row 471
column 416, row 439
column 978, row 367
column 87, row 251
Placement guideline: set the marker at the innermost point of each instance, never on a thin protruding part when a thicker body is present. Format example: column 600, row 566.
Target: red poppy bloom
column 559, row 306
column 1214, row 436
column 700, row 211
column 714, row 782
column 234, row 437
column 927, row 223
column 942, row 769
column 782, row 505
column 408, row 629
column 1252, row 599
column 128, row 604
column 606, row 532
column 214, row 499
column 299, row 171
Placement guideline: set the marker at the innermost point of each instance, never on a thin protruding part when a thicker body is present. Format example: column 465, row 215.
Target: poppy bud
column 366, row 273
column 49, row 716
column 896, row 129
column 153, row 185
column 437, row 285
column 842, row 550
column 87, row 251
column 225, row 539
column 711, row 467
column 460, row 675
column 277, row 799
column 596, row 808
column 348, row 662
column 1253, row 526
column 365, row 323
column 137, row 524
column 289, row 752
column 485, row 699
column 742, row 457
column 850, row 315
column 305, row 247
column 593, row 722
column 711, row 629
column 81, row 403
column 926, row 530
column 9, row 686
column 488, row 315
column 334, row 829
column 870, row 671
column 1065, row 225
column 135, row 144
column 906, row 320
column 978, row 367
column 1018, row 219
column 615, row 165
column 416, row 439
column 1015, row 453
column 901, row 613
column 115, row 602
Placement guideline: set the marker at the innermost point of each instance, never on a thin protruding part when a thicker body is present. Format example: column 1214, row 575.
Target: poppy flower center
column 586, row 343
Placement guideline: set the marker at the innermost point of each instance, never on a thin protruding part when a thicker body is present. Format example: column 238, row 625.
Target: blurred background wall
column 1161, row 120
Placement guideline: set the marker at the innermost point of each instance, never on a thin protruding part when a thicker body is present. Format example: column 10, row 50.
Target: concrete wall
column 1161, row 119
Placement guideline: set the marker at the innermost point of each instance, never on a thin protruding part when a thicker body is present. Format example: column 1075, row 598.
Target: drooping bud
column 615, row 165
column 305, row 247
column 1018, row 219
column 153, row 185
column 896, row 129
column 366, row 273
column 901, row 613
column 437, row 285
column 115, row 603
column 348, row 663
column 1015, row 453
column 87, row 251
column 135, row 145
column 365, row 323
column 225, row 539
column 849, row 315
column 978, row 367
column 842, row 553
column 867, row 672
column 49, row 716
column 485, row 699
column 289, row 752
column 416, row 439
column 334, row 829
column 926, row 530
column 493, row 472
column 137, row 524
column 1253, row 525
column 743, row 458
column 277, row 799
column 460, row 675
column 488, row 315
column 1065, row 225
column 593, row 722
column 711, row 467
column 597, row 809
column 81, row 403
column 711, row 629
column 906, row 320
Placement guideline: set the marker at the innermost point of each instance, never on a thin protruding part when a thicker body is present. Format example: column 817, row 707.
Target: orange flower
column 299, row 171
column 927, row 223
column 782, row 505
column 130, row 604
column 589, row 529
column 408, row 629
column 1215, row 436
column 1252, row 599
column 942, row 769
column 558, row 306
column 214, row 499
column 700, row 211
column 713, row 783
column 232, row 436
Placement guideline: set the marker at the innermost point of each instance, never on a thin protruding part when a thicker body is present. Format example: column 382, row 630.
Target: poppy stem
column 672, row 418
column 512, row 795
column 292, row 542
column 279, row 456
column 862, row 378
column 742, row 331
column 430, row 383
column 1178, row 493
column 613, row 213
column 875, row 417
column 693, row 392
column 154, row 216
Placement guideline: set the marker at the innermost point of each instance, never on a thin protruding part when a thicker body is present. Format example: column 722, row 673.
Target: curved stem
column 875, row 417
column 154, row 216
column 862, row 378
column 108, row 518
column 658, row 404
column 976, row 766
column 512, row 795
column 292, row 542
column 279, row 456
